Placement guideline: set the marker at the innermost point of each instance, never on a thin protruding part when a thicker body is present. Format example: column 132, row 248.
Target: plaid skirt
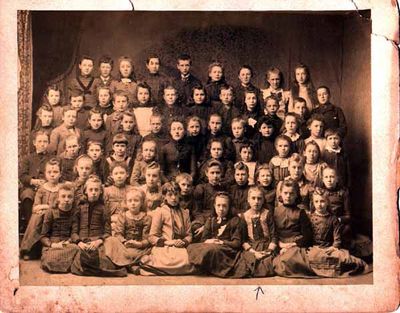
column 58, row 260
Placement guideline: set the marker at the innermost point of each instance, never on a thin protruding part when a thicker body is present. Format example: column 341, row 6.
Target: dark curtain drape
column 57, row 40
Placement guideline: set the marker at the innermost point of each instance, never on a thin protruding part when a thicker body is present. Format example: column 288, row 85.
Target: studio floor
column 31, row 274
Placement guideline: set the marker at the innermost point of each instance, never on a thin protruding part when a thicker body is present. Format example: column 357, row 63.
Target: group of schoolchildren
column 159, row 175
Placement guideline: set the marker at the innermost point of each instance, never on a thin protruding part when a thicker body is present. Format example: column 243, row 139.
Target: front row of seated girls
column 79, row 235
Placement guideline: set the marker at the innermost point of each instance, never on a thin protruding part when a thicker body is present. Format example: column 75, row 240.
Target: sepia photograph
column 201, row 148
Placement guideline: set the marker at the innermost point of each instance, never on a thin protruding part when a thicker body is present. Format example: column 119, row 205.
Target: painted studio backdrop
column 335, row 46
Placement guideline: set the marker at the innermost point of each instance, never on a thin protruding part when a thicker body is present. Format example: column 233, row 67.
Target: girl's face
column 311, row 153
column 216, row 150
column 86, row 67
column 320, row 204
column 237, row 130
column 251, row 101
column 193, row 128
column 265, row 177
column 104, row 97
column 246, row 154
column 120, row 103
column 155, row 124
column 172, row 198
column 255, row 199
column 215, row 124
column 282, row 147
column 215, row 73
column 41, row 143
column 143, row 95
column 295, row 170
column 69, row 118
column 105, row 69
column 333, row 141
column 170, row 97
column 290, row 124
column 95, row 121
column 53, row 97
column 271, row 107
column 153, row 65
column 329, row 178
column 221, row 206
column 84, row 168
column 72, row 147
column 300, row 108
column 185, row 187
column 119, row 176
column 301, row 75
column 241, row 177
column 65, row 199
column 148, row 151
column 134, row 202
column 46, row 117
column 127, row 123
column 53, row 173
column 214, row 175
column 316, row 128
column 245, row 76
column 125, row 68
column 152, row 177
column 226, row 96
column 266, row 130
column 94, row 152
column 177, row 131
column 274, row 80
column 198, row 96
column 323, row 96
column 119, row 149
column 288, row 195
column 93, row 191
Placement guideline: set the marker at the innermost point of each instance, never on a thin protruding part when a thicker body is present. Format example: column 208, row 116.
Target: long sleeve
column 342, row 122
column 155, row 234
column 25, row 178
column 346, row 217
column 192, row 162
column 146, row 230
column 235, row 240
column 207, row 232
column 186, row 219
column 271, row 227
column 305, row 239
column 76, row 226
column 106, row 223
column 46, row 229
column 337, row 233
column 119, row 227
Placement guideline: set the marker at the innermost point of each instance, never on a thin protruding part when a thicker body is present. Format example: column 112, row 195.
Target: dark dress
column 259, row 233
column 293, row 226
column 177, row 157
column 227, row 114
column 337, row 263
column 57, row 226
column 91, row 222
column 238, row 195
column 218, row 259
column 264, row 149
column 184, row 86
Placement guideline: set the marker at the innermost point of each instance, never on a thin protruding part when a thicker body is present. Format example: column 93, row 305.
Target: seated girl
column 294, row 233
column 169, row 235
column 58, row 252
column 326, row 257
column 221, row 240
column 260, row 239
column 90, row 228
column 132, row 229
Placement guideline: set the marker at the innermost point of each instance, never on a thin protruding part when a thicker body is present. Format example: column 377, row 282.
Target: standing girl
column 313, row 166
column 303, row 87
column 127, row 80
